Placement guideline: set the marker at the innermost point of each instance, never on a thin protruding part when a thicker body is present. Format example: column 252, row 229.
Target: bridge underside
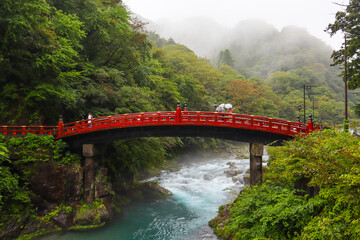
column 235, row 134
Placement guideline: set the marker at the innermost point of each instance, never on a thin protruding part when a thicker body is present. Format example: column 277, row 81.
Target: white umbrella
column 221, row 108
column 228, row 106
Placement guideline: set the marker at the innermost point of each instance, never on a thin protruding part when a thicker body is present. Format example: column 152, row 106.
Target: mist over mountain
column 201, row 34
column 257, row 47
column 206, row 37
column 285, row 59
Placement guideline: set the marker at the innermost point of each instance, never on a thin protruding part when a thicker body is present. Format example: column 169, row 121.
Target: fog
column 207, row 38
column 179, row 18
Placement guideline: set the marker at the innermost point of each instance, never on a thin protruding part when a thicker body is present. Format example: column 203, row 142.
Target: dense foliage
column 16, row 171
column 71, row 58
column 74, row 57
column 11, row 193
column 347, row 22
column 329, row 160
column 285, row 59
column 288, row 60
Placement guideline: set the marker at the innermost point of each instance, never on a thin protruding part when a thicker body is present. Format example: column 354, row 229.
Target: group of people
column 225, row 107
column 221, row 108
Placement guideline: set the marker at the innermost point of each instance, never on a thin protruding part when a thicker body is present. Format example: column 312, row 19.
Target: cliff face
column 53, row 183
column 45, row 188
column 56, row 195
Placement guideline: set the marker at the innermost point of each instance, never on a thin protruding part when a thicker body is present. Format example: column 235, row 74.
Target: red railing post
column 60, row 127
column 82, row 125
column 77, row 127
column 289, row 127
column 158, row 118
column 109, row 121
column 310, row 126
column 178, row 112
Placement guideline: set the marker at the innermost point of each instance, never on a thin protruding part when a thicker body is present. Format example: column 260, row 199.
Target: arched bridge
column 245, row 128
column 238, row 127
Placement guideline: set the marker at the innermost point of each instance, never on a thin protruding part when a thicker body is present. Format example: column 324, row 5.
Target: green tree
column 348, row 23
column 283, row 83
column 38, row 57
column 225, row 58
column 276, row 210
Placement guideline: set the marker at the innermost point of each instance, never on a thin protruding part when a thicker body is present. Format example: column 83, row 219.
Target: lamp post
column 346, row 124
column 306, row 87
column 313, row 112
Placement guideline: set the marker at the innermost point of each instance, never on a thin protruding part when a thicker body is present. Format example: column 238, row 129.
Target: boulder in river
column 92, row 215
column 231, row 165
column 232, row 172
column 208, row 177
column 64, row 219
column 152, row 190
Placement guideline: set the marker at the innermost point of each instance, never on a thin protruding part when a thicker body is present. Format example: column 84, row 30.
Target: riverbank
column 45, row 195
column 198, row 188
column 53, row 199
column 310, row 191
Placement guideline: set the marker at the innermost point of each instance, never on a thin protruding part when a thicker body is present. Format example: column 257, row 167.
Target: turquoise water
column 199, row 188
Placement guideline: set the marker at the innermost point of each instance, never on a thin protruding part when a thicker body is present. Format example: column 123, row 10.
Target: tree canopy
column 276, row 209
column 70, row 58
column 347, row 22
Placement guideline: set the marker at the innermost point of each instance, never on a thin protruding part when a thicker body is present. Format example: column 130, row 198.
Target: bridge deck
column 171, row 118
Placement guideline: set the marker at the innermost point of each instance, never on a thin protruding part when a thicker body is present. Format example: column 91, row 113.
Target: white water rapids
column 202, row 187
column 199, row 189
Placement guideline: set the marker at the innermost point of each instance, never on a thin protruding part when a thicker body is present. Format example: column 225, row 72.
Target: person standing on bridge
column 221, row 108
column 90, row 119
column 230, row 110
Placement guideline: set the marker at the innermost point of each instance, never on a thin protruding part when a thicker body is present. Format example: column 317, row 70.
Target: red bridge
column 238, row 127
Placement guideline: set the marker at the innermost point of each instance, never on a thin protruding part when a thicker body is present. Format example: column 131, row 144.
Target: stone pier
column 256, row 153
column 89, row 173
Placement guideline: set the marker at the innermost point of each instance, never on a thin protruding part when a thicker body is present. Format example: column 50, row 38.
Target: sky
column 314, row 15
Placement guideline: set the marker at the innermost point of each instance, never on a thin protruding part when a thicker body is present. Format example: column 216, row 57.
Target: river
column 199, row 188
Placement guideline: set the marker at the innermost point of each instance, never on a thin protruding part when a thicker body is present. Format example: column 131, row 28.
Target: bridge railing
column 117, row 121
column 163, row 118
column 186, row 118
column 243, row 121
column 23, row 130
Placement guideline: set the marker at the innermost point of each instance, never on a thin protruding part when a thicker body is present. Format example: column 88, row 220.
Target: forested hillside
column 70, row 58
column 76, row 57
column 310, row 191
column 285, row 60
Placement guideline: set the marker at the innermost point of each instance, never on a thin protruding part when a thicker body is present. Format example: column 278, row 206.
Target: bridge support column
column 256, row 153
column 89, row 173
